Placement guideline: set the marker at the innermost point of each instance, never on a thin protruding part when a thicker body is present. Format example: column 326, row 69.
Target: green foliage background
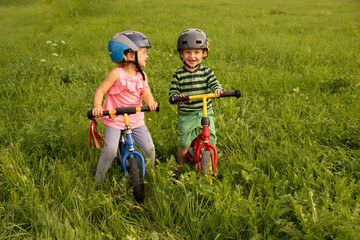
column 289, row 148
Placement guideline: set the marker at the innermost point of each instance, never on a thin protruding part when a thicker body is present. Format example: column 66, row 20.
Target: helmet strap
column 136, row 62
column 138, row 66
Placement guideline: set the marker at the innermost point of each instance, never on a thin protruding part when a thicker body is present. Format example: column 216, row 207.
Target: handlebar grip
column 175, row 99
column 158, row 108
column 236, row 93
column 147, row 109
column 91, row 116
column 122, row 111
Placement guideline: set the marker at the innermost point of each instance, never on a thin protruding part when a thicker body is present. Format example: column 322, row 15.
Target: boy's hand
column 183, row 95
column 217, row 93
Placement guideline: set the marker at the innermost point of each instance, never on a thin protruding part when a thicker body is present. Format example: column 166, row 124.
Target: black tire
column 135, row 179
column 205, row 163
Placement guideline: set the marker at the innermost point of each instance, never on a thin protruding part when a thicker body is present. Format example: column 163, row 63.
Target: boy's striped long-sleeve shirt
column 201, row 81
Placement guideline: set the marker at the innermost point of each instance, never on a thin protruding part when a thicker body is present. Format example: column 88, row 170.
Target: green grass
column 289, row 148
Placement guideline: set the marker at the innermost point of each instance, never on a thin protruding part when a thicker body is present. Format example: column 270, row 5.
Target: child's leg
column 187, row 132
column 181, row 155
column 143, row 139
column 112, row 136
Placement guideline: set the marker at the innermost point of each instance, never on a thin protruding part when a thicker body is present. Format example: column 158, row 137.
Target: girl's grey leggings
column 142, row 138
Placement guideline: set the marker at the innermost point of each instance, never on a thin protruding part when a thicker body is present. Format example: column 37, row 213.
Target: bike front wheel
column 206, row 163
column 207, row 166
column 135, row 180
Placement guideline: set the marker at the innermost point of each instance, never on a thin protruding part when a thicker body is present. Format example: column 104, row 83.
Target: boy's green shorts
column 188, row 123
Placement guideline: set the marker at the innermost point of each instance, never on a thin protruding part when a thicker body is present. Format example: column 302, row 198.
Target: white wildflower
column 42, row 60
column 48, row 42
column 55, row 54
column 54, row 44
column 63, row 42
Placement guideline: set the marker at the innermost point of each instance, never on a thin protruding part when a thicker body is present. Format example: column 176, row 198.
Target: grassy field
column 289, row 148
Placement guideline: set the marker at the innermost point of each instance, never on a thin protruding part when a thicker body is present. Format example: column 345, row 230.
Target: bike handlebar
column 123, row 110
column 175, row 99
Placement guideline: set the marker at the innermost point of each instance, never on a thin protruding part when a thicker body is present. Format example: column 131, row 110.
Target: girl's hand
column 97, row 111
column 153, row 105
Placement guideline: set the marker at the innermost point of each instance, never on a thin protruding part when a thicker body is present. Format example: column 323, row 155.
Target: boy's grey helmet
column 192, row 39
column 127, row 40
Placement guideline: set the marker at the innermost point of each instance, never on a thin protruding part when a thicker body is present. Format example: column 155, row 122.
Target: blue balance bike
column 128, row 159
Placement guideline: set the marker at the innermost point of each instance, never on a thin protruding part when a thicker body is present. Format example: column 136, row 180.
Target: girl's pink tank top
column 126, row 92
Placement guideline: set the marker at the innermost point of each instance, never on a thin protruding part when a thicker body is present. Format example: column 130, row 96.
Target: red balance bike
column 199, row 151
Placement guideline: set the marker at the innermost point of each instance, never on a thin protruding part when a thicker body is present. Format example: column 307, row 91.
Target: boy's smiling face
column 192, row 57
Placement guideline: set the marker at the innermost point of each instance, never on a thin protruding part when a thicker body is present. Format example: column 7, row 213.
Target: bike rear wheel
column 135, row 179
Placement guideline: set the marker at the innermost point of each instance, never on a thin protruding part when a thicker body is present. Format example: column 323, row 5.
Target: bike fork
column 128, row 148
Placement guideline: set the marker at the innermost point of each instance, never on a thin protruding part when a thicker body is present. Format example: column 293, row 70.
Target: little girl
column 125, row 86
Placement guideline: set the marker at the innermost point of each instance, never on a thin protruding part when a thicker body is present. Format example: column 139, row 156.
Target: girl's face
column 142, row 57
column 192, row 57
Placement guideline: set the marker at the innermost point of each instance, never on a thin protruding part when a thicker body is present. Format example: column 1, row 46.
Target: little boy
column 192, row 79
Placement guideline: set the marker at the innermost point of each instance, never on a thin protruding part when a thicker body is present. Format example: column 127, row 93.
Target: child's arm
column 111, row 78
column 174, row 89
column 148, row 98
column 214, row 83
column 146, row 78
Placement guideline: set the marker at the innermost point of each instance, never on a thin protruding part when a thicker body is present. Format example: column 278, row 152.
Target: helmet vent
column 184, row 42
column 198, row 42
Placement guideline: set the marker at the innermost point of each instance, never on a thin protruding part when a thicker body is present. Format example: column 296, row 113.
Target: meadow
column 289, row 164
